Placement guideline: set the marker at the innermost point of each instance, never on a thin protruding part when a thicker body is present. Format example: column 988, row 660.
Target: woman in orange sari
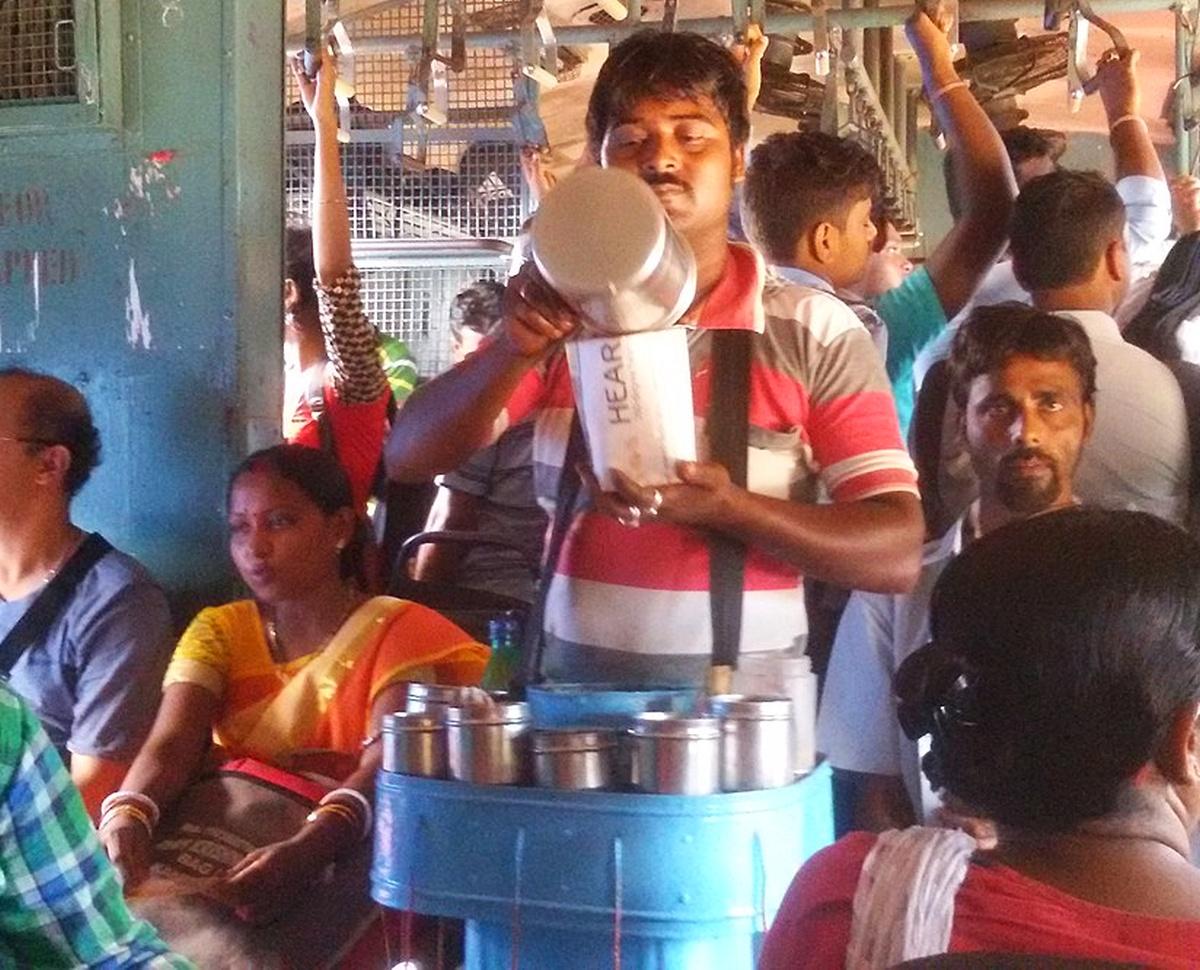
column 300, row 676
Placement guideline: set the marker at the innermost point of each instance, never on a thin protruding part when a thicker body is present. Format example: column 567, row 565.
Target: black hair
column 55, row 413
column 476, row 308
column 322, row 479
column 1174, row 298
column 1061, row 225
column 1025, row 144
column 993, row 334
column 654, row 64
column 298, row 264
column 796, row 180
column 1063, row 647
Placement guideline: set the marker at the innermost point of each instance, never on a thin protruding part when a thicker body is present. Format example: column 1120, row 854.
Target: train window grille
column 37, row 52
column 408, row 183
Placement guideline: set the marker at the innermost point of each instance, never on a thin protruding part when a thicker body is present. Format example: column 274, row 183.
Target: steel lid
column 550, row 740
column 599, row 231
column 399, row 721
column 513, row 712
column 751, row 707
column 662, row 724
column 442, row 694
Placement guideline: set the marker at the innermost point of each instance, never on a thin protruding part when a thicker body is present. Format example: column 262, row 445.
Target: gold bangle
column 1124, row 118
column 132, row 811
column 338, row 811
column 946, row 89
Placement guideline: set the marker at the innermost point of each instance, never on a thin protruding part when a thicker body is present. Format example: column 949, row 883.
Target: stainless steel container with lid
column 756, row 741
column 603, row 241
column 414, row 743
column 488, row 744
column 578, row 759
column 426, row 698
column 676, row 754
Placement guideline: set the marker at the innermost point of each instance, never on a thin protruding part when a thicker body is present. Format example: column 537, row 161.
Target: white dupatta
column 904, row 902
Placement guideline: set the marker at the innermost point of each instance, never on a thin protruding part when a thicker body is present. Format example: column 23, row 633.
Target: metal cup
column 675, row 754
column 429, row 698
column 489, row 744
column 573, row 758
column 603, row 241
column 756, row 741
column 414, row 744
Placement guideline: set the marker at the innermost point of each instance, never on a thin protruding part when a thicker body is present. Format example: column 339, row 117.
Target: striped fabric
column 351, row 343
column 627, row 605
column 356, row 388
column 60, row 900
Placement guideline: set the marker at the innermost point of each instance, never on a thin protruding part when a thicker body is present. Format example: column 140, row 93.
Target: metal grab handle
column 1083, row 79
column 58, row 64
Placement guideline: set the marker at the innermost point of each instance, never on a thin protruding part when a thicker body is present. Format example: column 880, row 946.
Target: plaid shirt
column 60, row 899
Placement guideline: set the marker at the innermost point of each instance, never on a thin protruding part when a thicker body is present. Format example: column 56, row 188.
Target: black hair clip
column 934, row 692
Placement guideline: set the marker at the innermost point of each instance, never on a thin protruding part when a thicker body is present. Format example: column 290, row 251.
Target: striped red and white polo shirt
column 632, row 605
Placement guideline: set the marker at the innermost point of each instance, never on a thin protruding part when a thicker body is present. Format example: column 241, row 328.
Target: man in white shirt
column 1140, row 182
column 1024, row 382
column 1069, row 252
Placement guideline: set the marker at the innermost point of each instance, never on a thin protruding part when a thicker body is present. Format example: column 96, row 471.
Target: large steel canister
column 603, row 241
column 756, row 741
column 577, row 759
column 676, row 754
column 430, row 698
column 414, row 744
column 489, row 744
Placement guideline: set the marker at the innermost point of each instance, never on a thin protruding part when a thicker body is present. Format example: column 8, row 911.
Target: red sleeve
column 527, row 398
column 358, row 435
column 812, row 928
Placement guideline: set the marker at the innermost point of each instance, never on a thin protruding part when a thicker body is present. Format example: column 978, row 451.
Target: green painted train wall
column 140, row 259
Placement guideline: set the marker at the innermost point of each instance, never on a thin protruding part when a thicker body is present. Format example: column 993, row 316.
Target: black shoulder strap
column 569, row 484
column 728, row 434
column 44, row 610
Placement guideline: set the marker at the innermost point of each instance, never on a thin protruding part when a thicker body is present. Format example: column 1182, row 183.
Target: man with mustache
column 1025, row 383
column 629, row 597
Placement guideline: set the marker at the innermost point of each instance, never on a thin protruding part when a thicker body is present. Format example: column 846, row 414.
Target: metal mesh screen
column 37, row 51
column 412, row 302
column 407, row 182
column 466, row 189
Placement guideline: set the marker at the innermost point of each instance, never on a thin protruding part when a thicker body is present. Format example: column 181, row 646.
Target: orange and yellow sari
column 322, row 701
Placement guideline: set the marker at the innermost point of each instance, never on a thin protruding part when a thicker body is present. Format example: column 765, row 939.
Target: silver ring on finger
column 656, row 501
column 632, row 518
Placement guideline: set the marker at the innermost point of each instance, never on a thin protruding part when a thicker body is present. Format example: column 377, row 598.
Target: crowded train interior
column 587, row 484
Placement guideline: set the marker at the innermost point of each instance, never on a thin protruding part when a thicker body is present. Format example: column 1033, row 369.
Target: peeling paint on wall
column 172, row 12
column 137, row 330
column 149, row 180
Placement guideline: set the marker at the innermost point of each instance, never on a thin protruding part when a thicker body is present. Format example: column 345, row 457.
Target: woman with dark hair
column 299, row 676
column 1060, row 693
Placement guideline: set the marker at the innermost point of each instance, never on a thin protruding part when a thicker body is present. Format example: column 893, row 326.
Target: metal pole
column 870, row 49
column 887, row 70
column 776, row 23
column 1183, row 93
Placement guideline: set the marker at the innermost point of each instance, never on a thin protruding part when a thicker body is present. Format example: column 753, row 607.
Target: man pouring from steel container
column 628, row 596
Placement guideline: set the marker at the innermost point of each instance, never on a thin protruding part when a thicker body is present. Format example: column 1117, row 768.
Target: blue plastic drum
column 571, row 879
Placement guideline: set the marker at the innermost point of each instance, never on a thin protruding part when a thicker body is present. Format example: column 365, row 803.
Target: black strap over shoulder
column 50, row 602
column 728, row 434
column 569, row 485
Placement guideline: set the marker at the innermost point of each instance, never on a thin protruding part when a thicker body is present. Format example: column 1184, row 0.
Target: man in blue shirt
column 916, row 306
column 93, row 674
